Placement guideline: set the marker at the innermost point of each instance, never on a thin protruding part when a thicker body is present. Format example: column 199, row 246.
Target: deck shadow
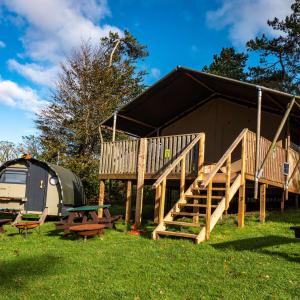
column 259, row 244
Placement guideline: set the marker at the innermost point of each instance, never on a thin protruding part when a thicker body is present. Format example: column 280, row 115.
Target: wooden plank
column 128, row 202
column 262, row 200
column 140, row 180
column 208, row 210
column 196, row 205
column 157, row 203
column 201, row 157
column 101, row 197
column 187, row 214
column 162, row 200
column 177, row 233
column 187, row 224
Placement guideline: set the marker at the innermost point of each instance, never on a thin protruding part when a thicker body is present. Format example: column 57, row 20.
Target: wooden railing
column 161, row 182
column 121, row 157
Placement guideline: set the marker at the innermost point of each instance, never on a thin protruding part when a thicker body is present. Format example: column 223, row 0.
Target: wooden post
column 257, row 156
column 297, row 201
column 162, row 200
column 201, row 157
column 114, row 126
column 227, row 185
column 242, row 189
column 128, row 202
column 182, row 177
column 262, row 206
column 140, row 180
column 208, row 210
column 282, row 201
column 157, row 203
column 101, row 197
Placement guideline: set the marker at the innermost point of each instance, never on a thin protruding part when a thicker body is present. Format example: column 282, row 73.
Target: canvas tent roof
column 71, row 186
column 181, row 91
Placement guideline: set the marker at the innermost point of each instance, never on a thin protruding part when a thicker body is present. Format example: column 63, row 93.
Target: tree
column 228, row 63
column 31, row 145
column 280, row 56
column 8, row 151
column 94, row 81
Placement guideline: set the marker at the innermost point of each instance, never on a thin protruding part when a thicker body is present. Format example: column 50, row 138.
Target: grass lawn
column 261, row 261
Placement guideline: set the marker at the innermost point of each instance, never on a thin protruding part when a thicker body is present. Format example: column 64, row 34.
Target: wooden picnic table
column 3, row 222
column 88, row 229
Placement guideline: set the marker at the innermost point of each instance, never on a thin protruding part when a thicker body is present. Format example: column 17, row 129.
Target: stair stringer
column 175, row 208
column 218, row 212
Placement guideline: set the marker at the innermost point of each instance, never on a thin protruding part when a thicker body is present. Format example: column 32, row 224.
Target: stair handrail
column 170, row 168
column 223, row 159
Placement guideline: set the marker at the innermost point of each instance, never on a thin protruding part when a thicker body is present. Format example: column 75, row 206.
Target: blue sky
column 35, row 35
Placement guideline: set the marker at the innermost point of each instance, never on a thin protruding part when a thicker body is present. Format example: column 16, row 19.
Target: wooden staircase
column 200, row 207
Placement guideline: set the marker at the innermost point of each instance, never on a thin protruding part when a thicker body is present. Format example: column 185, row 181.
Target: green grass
column 261, row 261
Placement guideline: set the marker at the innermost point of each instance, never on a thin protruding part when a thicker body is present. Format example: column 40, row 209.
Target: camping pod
column 30, row 185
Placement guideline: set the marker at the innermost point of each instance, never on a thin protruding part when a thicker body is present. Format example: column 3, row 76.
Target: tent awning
column 181, row 91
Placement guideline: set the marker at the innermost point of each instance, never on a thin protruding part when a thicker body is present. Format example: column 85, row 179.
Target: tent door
column 37, row 183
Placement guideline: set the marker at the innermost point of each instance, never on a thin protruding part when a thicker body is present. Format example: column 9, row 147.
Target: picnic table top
column 86, row 227
column 88, row 208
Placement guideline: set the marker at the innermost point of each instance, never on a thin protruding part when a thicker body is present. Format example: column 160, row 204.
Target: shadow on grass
column 288, row 216
column 259, row 243
column 20, row 272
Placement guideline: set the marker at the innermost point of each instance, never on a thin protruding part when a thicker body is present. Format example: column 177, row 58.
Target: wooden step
column 213, row 188
column 183, row 224
column 195, row 205
column 175, row 233
column 202, row 197
column 187, row 214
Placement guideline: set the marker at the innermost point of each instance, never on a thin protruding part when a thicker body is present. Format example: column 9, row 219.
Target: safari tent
column 217, row 138
column 30, row 185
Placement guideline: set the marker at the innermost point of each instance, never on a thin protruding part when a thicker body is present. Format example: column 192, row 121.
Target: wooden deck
column 119, row 160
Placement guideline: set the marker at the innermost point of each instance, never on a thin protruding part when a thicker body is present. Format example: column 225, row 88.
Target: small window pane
column 13, row 177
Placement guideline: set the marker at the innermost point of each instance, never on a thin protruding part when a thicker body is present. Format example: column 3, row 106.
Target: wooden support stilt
column 282, row 201
column 128, row 202
column 101, row 197
column 140, row 180
column 262, row 206
column 157, row 203
column 297, row 201
column 162, row 200
column 208, row 210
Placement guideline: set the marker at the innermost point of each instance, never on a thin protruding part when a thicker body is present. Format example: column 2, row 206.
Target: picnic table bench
column 87, row 215
column 3, row 222
column 88, row 229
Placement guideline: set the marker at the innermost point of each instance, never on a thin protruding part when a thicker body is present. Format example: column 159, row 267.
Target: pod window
column 11, row 176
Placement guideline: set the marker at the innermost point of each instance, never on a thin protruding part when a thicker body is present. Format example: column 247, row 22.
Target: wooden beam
column 257, row 153
column 208, row 210
column 201, row 157
column 157, row 204
column 128, row 202
column 290, row 106
column 101, row 197
column 262, row 206
column 162, row 200
column 182, row 177
column 137, row 121
column 114, row 126
column 140, row 180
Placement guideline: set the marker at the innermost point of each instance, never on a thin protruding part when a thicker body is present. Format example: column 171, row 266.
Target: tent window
column 9, row 176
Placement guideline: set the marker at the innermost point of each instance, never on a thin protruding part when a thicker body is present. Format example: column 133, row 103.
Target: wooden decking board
column 187, row 214
column 187, row 224
column 180, row 234
column 195, row 205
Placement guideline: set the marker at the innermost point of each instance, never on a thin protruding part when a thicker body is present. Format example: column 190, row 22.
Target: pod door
column 37, row 183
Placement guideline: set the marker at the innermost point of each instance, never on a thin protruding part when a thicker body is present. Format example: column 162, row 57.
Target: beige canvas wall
column 222, row 121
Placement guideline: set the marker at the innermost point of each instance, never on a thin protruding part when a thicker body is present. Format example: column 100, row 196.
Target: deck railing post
column 262, row 206
column 242, row 189
column 201, row 156
column 162, row 200
column 182, row 177
column 227, row 185
column 208, row 210
column 128, row 202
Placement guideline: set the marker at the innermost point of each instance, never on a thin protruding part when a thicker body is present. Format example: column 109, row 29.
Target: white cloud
column 34, row 72
column 53, row 28
column 247, row 19
column 13, row 95
column 2, row 44
column 155, row 73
